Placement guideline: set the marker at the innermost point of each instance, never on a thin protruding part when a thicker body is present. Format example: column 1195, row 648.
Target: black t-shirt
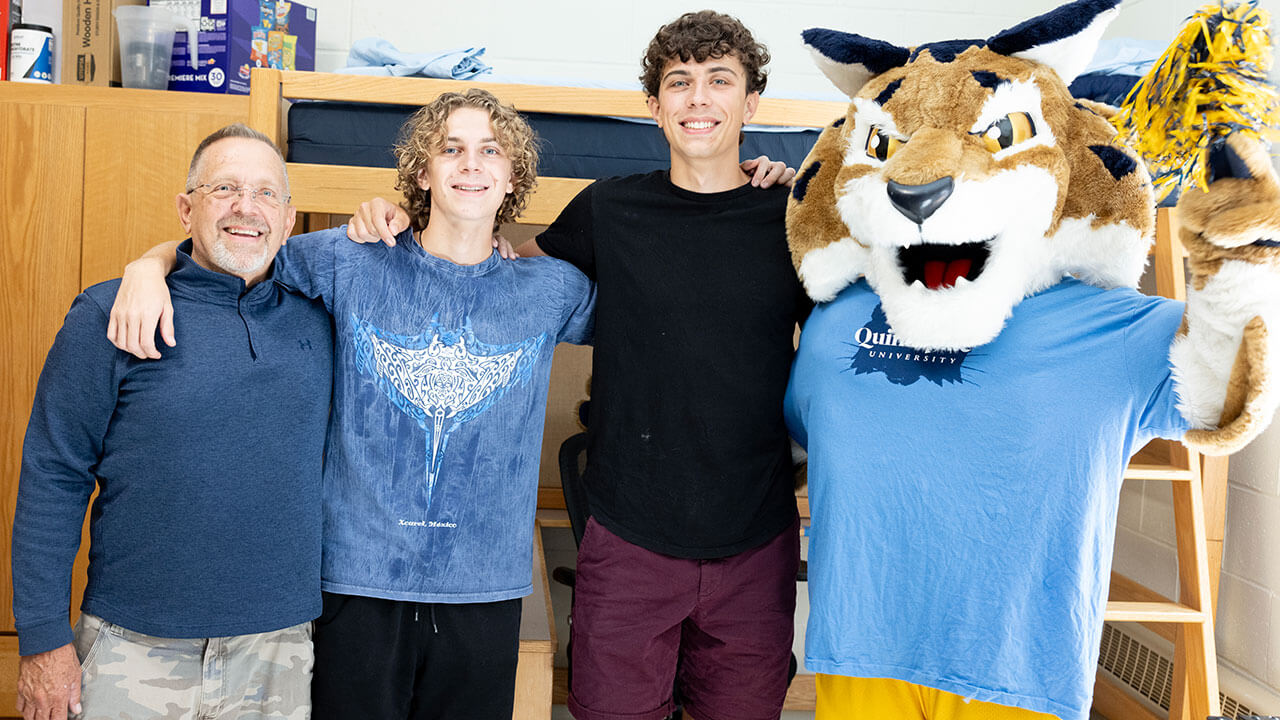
column 697, row 306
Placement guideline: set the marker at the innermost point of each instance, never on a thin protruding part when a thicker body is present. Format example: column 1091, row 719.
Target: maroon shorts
column 729, row 623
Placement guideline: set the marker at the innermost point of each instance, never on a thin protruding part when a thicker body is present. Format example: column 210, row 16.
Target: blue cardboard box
column 236, row 36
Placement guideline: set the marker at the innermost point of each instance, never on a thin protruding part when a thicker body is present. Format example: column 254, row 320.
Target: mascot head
column 965, row 177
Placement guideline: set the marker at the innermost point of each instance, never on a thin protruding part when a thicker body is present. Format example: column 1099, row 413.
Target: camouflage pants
column 128, row 675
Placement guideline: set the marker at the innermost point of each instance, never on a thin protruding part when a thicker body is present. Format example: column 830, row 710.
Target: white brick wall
column 603, row 40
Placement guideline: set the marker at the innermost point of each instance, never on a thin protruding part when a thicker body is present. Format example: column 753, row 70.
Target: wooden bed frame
column 338, row 189
column 1199, row 486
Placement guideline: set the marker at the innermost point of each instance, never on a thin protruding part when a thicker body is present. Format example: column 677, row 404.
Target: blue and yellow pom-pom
column 1210, row 83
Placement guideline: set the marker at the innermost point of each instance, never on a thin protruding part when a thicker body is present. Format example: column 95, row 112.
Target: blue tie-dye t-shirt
column 440, row 387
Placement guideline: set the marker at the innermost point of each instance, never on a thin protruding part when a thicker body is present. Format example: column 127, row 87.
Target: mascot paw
column 1241, row 209
column 1227, row 357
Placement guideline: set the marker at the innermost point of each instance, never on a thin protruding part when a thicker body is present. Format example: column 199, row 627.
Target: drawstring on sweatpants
column 434, row 628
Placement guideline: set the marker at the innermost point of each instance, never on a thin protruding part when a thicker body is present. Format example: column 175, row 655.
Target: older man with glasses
column 204, row 557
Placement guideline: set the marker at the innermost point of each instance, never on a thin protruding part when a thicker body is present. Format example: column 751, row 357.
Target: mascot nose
column 918, row 202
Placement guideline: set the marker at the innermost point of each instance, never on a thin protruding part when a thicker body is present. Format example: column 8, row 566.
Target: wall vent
column 1149, row 673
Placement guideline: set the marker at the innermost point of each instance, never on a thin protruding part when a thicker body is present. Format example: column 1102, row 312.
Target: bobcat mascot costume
column 979, row 369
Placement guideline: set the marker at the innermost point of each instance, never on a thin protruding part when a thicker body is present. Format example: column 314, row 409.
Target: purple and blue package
column 228, row 48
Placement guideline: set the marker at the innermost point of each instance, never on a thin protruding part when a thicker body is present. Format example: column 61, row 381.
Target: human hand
column 142, row 302
column 377, row 220
column 49, row 684
column 504, row 248
column 765, row 172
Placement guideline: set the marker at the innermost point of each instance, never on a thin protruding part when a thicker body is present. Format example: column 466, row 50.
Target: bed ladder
column 1199, row 487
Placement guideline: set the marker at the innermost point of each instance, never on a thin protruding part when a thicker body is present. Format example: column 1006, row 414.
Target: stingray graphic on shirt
column 442, row 378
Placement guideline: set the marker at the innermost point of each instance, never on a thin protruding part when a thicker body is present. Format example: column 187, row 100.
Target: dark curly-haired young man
column 688, row 562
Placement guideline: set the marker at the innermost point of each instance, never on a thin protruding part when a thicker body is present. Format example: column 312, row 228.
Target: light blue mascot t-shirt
column 439, row 397
column 964, row 503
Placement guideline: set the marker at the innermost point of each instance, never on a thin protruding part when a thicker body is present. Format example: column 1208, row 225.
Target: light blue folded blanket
column 376, row 56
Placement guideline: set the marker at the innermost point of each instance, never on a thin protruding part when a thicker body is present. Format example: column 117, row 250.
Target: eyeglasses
column 226, row 191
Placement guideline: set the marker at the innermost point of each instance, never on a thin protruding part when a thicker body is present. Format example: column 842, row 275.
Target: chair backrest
column 573, row 460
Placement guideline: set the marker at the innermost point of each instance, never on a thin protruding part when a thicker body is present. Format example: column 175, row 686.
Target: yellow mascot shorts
column 848, row 698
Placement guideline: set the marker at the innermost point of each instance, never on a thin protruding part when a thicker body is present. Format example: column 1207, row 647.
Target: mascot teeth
column 941, row 266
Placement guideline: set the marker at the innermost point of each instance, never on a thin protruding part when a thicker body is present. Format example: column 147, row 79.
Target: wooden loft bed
column 1199, row 484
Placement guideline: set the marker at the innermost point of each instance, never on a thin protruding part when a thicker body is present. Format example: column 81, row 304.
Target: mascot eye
column 881, row 146
column 1009, row 131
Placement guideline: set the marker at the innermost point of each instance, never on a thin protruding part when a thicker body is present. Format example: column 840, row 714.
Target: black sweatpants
column 399, row 660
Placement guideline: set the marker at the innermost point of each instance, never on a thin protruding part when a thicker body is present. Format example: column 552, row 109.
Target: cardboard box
column 10, row 15
column 4, row 39
column 90, row 44
column 238, row 35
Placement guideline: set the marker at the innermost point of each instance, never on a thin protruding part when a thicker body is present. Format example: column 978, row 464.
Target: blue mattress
column 1103, row 88
column 330, row 133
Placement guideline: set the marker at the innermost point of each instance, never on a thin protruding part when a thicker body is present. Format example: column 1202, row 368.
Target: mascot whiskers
column 980, row 368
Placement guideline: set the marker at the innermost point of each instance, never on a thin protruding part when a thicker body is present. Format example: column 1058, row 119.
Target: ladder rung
column 1160, row 612
column 1137, row 471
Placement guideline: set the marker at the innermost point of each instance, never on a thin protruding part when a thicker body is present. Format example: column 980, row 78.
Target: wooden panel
column 537, row 623
column 533, row 687
column 1112, row 703
column 537, row 643
column 552, row 518
column 1124, row 589
column 1161, row 460
column 1141, row 471
column 1171, row 279
column 1195, row 669
column 8, row 676
column 135, row 164
column 126, row 100
column 803, row 693
column 266, row 114
column 41, row 178
column 1214, row 482
column 1162, row 612
column 533, row 98
column 570, row 371
column 339, row 189
column 559, row 685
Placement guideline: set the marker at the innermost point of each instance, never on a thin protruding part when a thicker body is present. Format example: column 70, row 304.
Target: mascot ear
column 1063, row 39
column 849, row 60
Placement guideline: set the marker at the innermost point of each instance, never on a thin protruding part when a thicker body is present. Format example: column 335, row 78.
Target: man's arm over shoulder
column 142, row 304
column 530, row 248
column 308, row 263
column 74, row 402
column 571, row 236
